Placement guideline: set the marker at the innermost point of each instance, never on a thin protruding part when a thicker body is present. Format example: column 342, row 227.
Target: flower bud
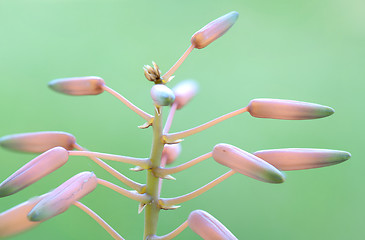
column 287, row 109
column 208, row 227
column 246, row 163
column 162, row 95
column 15, row 220
column 171, row 152
column 184, row 92
column 213, row 30
column 34, row 170
column 78, row 85
column 61, row 198
column 302, row 158
column 37, row 142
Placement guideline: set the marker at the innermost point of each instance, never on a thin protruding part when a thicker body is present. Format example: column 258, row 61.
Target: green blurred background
column 307, row 50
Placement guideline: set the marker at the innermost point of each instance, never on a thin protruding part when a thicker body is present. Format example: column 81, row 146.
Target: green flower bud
column 162, row 95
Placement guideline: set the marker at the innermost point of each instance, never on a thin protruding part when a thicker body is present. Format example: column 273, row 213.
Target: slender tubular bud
column 246, row 163
column 184, row 92
column 15, row 220
column 61, row 198
column 162, row 95
column 213, row 30
column 208, row 227
column 37, row 142
column 171, row 152
column 302, row 158
column 78, row 85
column 287, row 109
column 34, row 170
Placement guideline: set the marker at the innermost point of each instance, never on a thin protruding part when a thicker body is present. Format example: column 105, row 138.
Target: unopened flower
column 246, row 163
column 302, row 158
column 15, row 220
column 208, row 227
column 78, row 85
column 162, row 95
column 171, row 152
column 61, row 198
column 38, row 142
column 287, row 109
column 184, row 92
column 34, row 170
column 213, row 30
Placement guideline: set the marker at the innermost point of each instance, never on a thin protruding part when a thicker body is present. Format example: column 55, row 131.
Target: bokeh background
column 308, row 50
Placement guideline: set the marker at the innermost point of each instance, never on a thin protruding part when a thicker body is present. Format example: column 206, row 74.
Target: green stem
column 152, row 188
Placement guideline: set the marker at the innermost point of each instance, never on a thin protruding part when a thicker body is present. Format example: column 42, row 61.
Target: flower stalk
column 143, row 198
column 168, row 202
column 179, row 135
column 171, row 71
column 140, row 112
column 99, row 220
column 172, row 234
column 129, row 182
column 142, row 162
column 161, row 172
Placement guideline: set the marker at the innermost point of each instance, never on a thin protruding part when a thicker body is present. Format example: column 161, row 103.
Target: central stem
column 152, row 209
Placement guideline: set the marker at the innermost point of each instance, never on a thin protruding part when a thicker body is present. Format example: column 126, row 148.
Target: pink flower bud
column 15, row 220
column 287, row 109
column 246, row 163
column 302, row 158
column 171, row 152
column 78, row 85
column 213, row 30
column 38, row 142
column 162, row 95
column 34, row 170
column 208, row 227
column 184, row 92
column 60, row 199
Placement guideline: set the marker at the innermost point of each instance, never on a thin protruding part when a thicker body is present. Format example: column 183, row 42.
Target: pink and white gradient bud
column 34, row 170
column 38, row 142
column 15, row 220
column 61, row 198
column 162, row 95
column 184, row 92
column 208, row 227
column 78, row 86
column 287, row 109
column 171, row 152
column 213, row 30
column 246, row 163
column 302, row 158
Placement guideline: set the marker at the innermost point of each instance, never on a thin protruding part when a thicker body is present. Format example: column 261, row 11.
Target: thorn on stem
column 141, row 206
